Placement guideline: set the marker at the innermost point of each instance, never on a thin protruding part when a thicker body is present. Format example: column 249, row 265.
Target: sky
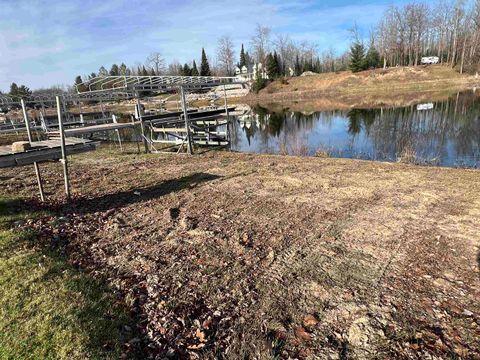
column 45, row 43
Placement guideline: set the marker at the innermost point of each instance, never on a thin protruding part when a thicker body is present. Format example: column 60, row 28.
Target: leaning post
column 35, row 164
column 185, row 115
column 63, row 160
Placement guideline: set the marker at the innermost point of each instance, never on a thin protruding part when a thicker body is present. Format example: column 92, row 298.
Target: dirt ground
column 263, row 256
column 372, row 88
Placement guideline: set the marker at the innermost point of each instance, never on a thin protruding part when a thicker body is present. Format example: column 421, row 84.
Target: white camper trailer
column 430, row 60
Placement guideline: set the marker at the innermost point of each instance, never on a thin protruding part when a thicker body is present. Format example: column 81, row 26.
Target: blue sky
column 44, row 43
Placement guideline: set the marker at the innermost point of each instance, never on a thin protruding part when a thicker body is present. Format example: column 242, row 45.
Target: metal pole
column 226, row 112
column 142, row 127
column 114, row 119
column 185, row 115
column 225, row 98
column 35, row 164
column 62, row 144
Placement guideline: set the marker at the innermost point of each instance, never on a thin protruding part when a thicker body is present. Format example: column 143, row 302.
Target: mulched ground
column 244, row 256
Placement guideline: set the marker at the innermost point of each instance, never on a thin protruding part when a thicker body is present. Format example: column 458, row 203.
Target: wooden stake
column 35, row 164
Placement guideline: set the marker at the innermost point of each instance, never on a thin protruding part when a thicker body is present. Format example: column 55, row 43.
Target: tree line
column 404, row 34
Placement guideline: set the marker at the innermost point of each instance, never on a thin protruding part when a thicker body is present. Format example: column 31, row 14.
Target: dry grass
column 390, row 87
column 247, row 256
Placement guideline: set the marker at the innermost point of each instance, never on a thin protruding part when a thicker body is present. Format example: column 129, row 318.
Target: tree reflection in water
column 448, row 134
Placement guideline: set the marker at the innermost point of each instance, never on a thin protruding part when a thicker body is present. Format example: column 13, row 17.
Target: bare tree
column 260, row 43
column 156, row 62
column 225, row 55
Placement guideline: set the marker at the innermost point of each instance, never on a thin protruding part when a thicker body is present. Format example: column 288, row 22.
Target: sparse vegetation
column 262, row 256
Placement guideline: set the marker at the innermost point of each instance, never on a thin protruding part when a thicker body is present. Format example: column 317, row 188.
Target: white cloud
column 50, row 42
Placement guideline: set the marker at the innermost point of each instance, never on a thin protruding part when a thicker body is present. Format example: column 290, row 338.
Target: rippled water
column 443, row 133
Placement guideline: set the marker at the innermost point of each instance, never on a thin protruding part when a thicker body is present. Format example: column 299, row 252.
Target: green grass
column 49, row 309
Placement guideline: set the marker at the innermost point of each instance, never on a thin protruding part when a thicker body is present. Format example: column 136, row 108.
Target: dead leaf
column 301, row 333
column 207, row 323
column 200, row 335
column 310, row 321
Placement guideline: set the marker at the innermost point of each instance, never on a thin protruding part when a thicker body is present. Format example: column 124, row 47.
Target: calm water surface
column 442, row 133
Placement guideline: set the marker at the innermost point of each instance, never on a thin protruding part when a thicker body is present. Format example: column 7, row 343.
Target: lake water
column 442, row 133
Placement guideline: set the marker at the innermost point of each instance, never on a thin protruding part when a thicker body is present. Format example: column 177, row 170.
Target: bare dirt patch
column 245, row 256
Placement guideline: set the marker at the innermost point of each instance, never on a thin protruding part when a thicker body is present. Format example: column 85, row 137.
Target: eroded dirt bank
column 245, row 256
column 400, row 86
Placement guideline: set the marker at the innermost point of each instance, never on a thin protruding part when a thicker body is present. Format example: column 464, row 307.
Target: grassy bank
column 49, row 309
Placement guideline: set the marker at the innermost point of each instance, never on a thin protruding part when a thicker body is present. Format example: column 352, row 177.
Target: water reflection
column 444, row 133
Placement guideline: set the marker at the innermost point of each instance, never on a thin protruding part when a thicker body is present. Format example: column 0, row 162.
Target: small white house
column 430, row 60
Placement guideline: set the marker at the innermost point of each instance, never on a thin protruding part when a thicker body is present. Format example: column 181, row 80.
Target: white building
column 430, row 60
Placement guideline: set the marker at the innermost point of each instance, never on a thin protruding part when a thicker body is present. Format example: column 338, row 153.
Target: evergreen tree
column 243, row 59
column 272, row 66
column 204, row 67
column 102, row 71
column 194, row 69
column 276, row 61
column 123, row 69
column 24, row 91
column 357, row 57
column 186, row 70
column 259, row 82
column 372, row 59
column 152, row 72
column 114, row 70
column 144, row 71
column 14, row 90
column 80, row 85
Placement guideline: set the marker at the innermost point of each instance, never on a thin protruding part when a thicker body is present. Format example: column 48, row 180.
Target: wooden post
column 64, row 152
column 35, row 164
column 142, row 126
column 185, row 115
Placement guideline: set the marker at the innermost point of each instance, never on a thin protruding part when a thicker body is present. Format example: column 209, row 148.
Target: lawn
column 49, row 309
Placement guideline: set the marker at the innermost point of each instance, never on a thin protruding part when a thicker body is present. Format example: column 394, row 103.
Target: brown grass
column 273, row 256
column 375, row 88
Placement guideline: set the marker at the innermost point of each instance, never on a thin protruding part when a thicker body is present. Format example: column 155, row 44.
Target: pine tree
column 152, row 72
column 186, row 70
column 102, row 71
column 194, row 69
column 14, row 90
column 243, row 59
column 123, row 69
column 357, row 57
column 144, row 71
column 372, row 59
column 272, row 66
column 259, row 82
column 276, row 61
column 204, row 67
column 81, row 87
column 114, row 70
